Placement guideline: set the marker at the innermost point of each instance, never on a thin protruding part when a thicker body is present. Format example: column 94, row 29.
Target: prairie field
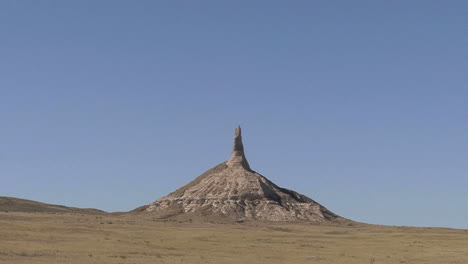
column 81, row 238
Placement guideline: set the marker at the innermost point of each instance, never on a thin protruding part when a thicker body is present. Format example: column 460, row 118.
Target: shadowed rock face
column 232, row 189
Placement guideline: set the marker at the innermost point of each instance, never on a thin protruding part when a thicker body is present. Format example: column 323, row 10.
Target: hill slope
column 11, row 204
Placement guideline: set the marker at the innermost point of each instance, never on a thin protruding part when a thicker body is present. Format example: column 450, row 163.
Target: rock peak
column 238, row 156
column 238, row 146
column 233, row 190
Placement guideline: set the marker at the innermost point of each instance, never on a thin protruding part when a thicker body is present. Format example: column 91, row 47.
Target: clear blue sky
column 360, row 105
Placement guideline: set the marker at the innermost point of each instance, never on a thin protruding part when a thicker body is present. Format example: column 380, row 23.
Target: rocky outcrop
column 238, row 156
column 233, row 190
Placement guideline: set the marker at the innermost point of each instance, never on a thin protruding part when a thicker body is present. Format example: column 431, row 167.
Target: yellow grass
column 50, row 238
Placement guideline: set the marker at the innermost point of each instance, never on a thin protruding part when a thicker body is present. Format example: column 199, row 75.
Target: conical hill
column 232, row 189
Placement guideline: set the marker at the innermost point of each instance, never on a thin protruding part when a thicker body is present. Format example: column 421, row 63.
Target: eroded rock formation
column 233, row 190
column 238, row 156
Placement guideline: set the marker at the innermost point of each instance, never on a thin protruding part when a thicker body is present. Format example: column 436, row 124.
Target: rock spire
column 238, row 155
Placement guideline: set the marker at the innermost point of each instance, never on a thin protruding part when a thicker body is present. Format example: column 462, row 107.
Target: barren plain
column 87, row 238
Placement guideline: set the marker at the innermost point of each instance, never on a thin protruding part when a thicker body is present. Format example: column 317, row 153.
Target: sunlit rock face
column 233, row 190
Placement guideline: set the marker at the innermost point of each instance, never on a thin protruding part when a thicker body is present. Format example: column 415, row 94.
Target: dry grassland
column 70, row 238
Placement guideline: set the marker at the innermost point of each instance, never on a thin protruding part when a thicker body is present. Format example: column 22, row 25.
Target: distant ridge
column 11, row 204
column 233, row 190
